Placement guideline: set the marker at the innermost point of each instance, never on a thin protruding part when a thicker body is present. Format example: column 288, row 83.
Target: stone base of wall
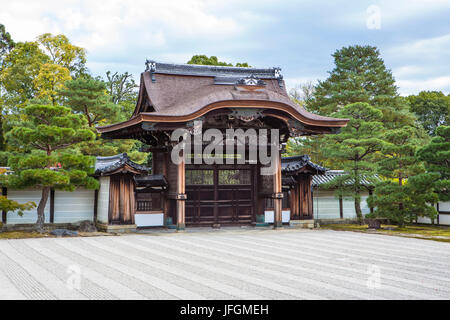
column 32, row 227
column 116, row 228
column 336, row 221
column 306, row 224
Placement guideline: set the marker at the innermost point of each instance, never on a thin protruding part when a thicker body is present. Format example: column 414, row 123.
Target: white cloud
column 115, row 22
column 407, row 87
column 428, row 48
column 120, row 34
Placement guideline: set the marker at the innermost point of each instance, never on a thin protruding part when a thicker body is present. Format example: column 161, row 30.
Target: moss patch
column 436, row 233
column 23, row 235
column 29, row 234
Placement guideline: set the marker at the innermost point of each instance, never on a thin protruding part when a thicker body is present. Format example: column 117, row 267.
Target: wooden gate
column 220, row 194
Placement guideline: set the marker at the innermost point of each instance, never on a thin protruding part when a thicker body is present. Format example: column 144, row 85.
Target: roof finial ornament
column 150, row 66
column 278, row 76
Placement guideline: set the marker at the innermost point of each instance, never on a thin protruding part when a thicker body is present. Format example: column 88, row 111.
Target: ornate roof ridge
column 155, row 67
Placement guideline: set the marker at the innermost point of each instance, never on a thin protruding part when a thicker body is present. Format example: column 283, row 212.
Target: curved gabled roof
column 118, row 163
column 180, row 92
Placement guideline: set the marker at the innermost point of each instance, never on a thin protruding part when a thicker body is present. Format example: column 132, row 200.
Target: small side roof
column 119, row 163
column 300, row 164
column 319, row 180
column 151, row 180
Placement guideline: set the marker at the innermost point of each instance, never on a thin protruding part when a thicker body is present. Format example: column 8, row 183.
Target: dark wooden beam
column 437, row 209
column 4, row 213
column 95, row 205
column 52, row 205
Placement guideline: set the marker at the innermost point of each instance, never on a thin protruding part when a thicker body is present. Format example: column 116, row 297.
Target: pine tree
column 393, row 197
column 46, row 134
column 436, row 156
column 359, row 75
column 354, row 147
column 88, row 96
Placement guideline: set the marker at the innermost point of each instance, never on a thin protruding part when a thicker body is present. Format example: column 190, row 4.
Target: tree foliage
column 436, row 156
column 432, row 109
column 213, row 61
column 121, row 87
column 8, row 205
column 50, row 80
column 6, row 43
column 404, row 195
column 64, row 53
column 20, row 69
column 88, row 96
column 303, row 93
column 360, row 75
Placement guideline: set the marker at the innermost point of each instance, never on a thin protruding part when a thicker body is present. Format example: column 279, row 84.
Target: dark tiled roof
column 319, row 180
column 151, row 180
column 292, row 165
column 105, row 165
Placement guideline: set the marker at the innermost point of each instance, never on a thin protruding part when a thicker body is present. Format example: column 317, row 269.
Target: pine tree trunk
column 40, row 209
column 358, row 211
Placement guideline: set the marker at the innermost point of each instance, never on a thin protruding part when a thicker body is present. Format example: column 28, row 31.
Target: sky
column 298, row 36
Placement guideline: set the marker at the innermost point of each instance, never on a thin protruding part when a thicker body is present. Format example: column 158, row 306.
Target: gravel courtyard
column 226, row 264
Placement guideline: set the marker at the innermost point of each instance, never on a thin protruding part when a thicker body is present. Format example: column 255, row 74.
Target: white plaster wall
column 103, row 200
column 285, row 216
column 326, row 205
column 149, row 219
column 444, row 206
column 72, row 207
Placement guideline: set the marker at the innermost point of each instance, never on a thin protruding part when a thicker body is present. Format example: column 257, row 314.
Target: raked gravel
column 230, row 264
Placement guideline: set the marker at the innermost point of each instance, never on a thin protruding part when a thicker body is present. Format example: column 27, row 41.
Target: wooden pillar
column 437, row 209
column 164, row 200
column 95, row 205
column 341, row 207
column 52, row 205
column 181, row 194
column 371, row 193
column 309, row 193
column 291, row 202
column 294, row 206
column 277, row 193
column 4, row 215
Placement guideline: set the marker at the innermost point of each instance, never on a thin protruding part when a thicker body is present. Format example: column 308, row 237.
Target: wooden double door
column 220, row 194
